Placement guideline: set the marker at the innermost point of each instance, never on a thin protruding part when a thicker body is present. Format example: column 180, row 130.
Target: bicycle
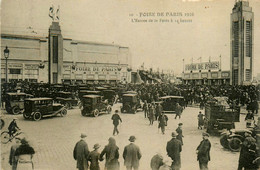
column 5, row 136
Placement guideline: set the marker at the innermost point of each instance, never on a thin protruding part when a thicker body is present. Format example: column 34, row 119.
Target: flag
column 58, row 13
column 51, row 12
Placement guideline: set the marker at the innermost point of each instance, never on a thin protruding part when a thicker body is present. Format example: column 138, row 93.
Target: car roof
column 64, row 92
column 129, row 94
column 90, row 91
column 167, row 97
column 39, row 98
column 17, row 94
column 91, row 96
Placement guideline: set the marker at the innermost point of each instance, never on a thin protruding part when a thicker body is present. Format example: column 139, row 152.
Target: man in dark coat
column 156, row 162
column 203, row 152
column 132, row 155
column 116, row 118
column 81, row 152
column 174, row 149
column 162, row 122
column 179, row 131
column 13, row 127
column 200, row 120
column 178, row 110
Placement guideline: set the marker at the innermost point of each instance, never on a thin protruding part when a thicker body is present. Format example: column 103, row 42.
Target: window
column 236, row 38
column 248, row 75
column 15, row 71
column 248, row 39
column 235, row 77
column 55, row 49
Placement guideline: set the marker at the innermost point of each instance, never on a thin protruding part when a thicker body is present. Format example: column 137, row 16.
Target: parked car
column 169, row 103
column 88, row 92
column 129, row 103
column 233, row 138
column 67, row 99
column 219, row 115
column 110, row 95
column 36, row 108
column 93, row 105
column 14, row 102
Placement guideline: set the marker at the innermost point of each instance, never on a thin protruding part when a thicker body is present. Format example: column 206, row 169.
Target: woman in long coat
column 24, row 154
column 112, row 155
column 151, row 112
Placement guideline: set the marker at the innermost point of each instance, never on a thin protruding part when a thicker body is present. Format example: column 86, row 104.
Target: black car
column 129, row 103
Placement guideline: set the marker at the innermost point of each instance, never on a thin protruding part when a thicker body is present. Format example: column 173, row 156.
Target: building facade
column 241, row 37
column 56, row 59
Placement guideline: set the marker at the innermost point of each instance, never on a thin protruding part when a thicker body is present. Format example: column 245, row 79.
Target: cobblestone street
column 54, row 139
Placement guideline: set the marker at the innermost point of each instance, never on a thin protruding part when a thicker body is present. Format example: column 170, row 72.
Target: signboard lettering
column 202, row 66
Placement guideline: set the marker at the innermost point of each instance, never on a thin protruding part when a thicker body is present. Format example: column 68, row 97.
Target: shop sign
column 15, row 65
column 202, row 66
column 196, row 75
column 96, row 69
column 31, row 66
column 214, row 75
column 225, row 74
column 204, row 75
column 187, row 76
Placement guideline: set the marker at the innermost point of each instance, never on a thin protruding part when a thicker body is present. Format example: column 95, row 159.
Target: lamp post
column 6, row 54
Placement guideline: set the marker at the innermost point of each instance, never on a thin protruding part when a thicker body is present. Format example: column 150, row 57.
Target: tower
column 241, row 43
column 55, row 53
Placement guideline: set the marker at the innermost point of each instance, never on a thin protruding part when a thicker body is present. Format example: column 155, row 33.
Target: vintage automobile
column 88, row 92
column 37, row 108
column 93, row 105
column 110, row 95
column 233, row 138
column 67, row 99
column 129, row 103
column 219, row 115
column 169, row 103
column 15, row 102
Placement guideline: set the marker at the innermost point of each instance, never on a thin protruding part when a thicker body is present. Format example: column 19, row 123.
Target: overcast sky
column 157, row 44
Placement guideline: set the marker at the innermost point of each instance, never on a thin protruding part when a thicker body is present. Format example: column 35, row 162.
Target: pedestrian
column 12, row 159
column 174, row 149
column 179, row 132
column 94, row 157
column 159, row 110
column 151, row 114
column 145, row 109
column 249, row 119
column 116, row 118
column 200, row 120
column 81, row 152
column 178, row 110
column 24, row 154
column 248, row 153
column 112, row 155
column 162, row 122
column 203, row 152
column 132, row 155
column 156, row 162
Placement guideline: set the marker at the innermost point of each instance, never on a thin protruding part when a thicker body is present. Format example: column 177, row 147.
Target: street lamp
column 6, row 54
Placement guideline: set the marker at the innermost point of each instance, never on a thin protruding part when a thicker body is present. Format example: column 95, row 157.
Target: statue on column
column 55, row 16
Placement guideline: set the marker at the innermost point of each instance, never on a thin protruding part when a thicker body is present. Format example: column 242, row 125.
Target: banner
column 202, row 66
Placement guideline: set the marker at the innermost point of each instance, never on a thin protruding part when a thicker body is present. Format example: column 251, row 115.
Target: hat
column 180, row 124
column 24, row 141
column 83, row 135
column 116, row 111
column 96, row 146
column 132, row 138
column 174, row 134
column 205, row 134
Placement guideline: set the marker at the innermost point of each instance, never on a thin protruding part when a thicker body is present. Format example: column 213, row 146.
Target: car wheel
column 224, row 141
column 63, row 112
column 96, row 113
column 15, row 110
column 26, row 115
column 5, row 137
column 234, row 144
column 37, row 116
column 109, row 109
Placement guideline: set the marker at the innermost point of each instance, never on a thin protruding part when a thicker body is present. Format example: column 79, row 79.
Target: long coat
column 174, row 148
column 112, row 156
column 24, row 153
column 204, row 151
column 93, row 157
column 179, row 136
column 80, row 154
column 132, row 155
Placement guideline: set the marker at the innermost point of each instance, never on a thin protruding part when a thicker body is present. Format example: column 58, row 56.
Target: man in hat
column 94, row 157
column 203, row 152
column 81, row 152
column 12, row 159
column 13, row 127
column 179, row 131
column 132, row 155
column 200, row 120
column 174, row 148
column 178, row 110
column 116, row 118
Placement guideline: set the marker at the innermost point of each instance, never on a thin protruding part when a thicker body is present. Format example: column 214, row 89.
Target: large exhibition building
column 55, row 59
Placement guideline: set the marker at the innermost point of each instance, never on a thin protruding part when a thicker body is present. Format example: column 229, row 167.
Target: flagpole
column 220, row 62
column 183, row 65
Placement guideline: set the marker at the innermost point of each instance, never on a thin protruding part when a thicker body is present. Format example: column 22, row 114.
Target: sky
column 160, row 42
